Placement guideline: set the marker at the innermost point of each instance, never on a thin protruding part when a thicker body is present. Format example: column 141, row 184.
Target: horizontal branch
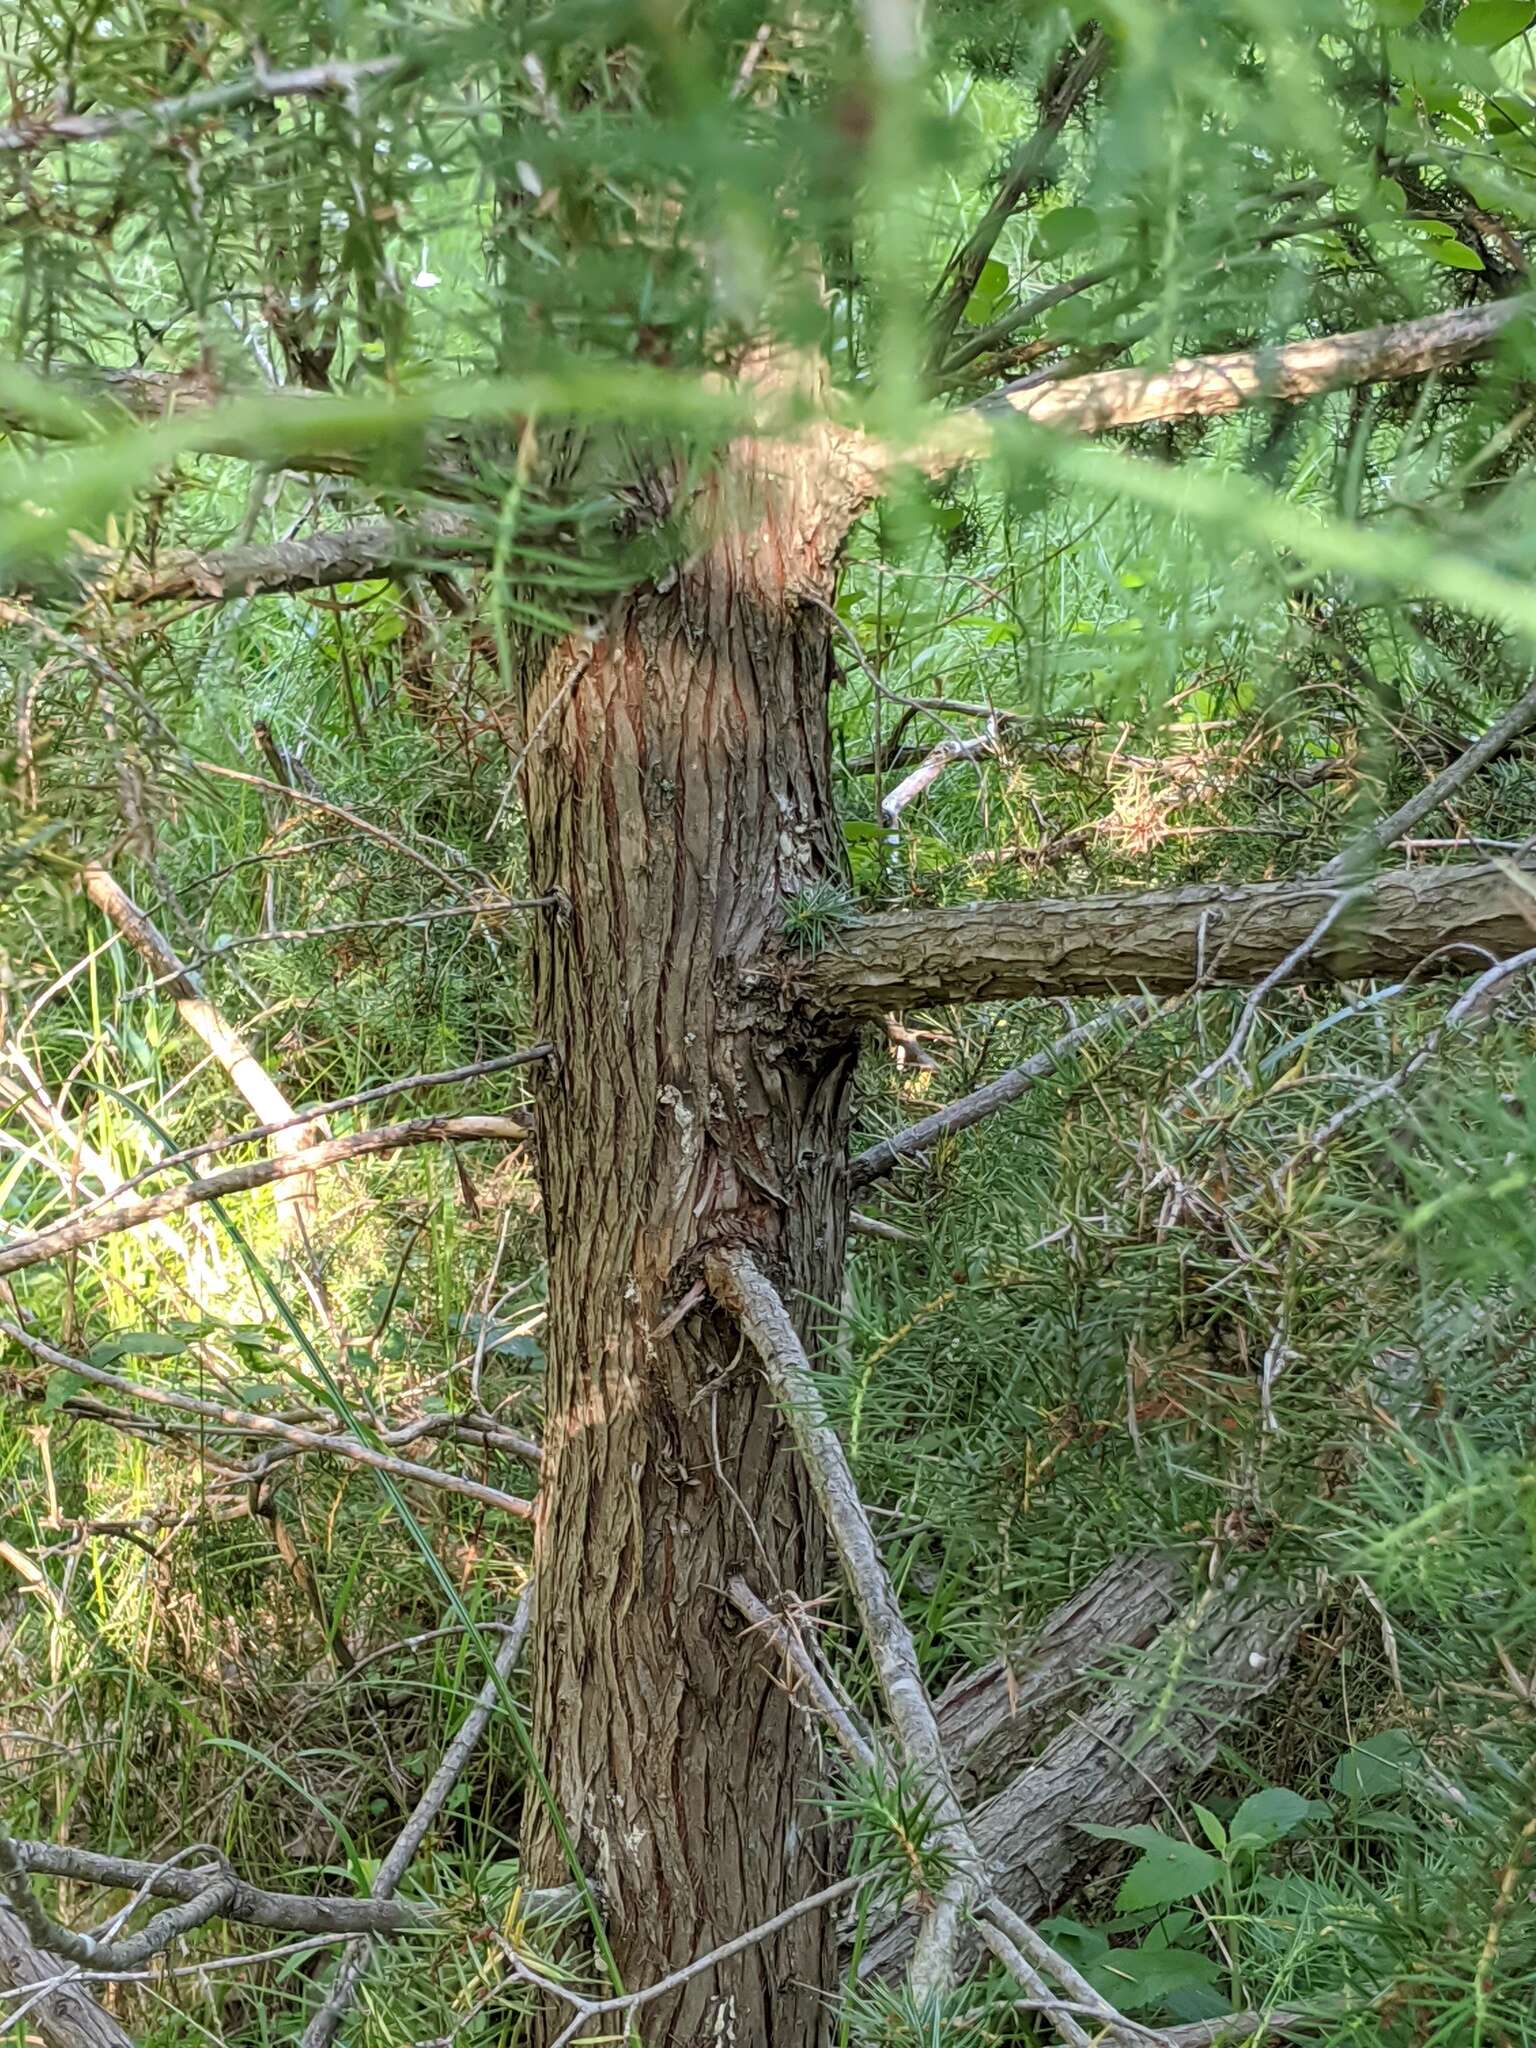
column 248, row 1904
column 317, row 561
column 76, row 1232
column 35, row 133
column 1444, row 920
column 244, row 1422
column 1200, row 386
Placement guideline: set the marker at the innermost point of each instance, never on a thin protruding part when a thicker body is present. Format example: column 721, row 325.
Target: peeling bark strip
column 1447, row 920
column 678, row 791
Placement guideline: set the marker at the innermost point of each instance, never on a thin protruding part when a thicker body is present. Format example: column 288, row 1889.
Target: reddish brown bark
column 678, row 790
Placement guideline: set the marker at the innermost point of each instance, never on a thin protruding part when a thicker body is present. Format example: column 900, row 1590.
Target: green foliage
column 501, row 280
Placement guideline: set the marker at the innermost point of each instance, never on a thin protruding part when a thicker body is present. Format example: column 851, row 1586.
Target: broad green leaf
column 1212, row 1828
column 137, row 1344
column 1456, row 256
column 1396, row 13
column 990, row 290
column 1173, row 1870
column 1137, row 1979
column 1265, row 1816
column 61, row 1387
column 1375, row 1769
column 1064, row 229
column 1485, row 24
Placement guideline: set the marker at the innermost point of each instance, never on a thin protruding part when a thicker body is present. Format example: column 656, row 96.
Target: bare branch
column 316, row 561
column 75, row 1232
column 36, row 133
column 353, row 1966
column 409, row 1084
column 126, row 1954
column 736, row 1282
column 1073, row 72
column 295, row 1206
column 1168, row 941
column 885, row 1156
column 778, row 1630
column 248, row 1904
column 1199, row 386
column 53, row 2010
column 1501, row 735
column 243, row 1422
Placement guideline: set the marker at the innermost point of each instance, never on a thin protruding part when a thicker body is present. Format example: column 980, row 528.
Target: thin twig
column 776, row 1628
column 243, row 1423
column 74, row 1232
column 1518, row 719
column 353, row 1965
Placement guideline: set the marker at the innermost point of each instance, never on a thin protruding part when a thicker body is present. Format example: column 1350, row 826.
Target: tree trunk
column 677, row 791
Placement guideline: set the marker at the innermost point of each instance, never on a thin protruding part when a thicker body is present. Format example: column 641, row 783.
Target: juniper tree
column 723, row 286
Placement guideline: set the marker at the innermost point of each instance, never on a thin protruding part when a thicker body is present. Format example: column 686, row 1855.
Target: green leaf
column 1375, row 1769
column 61, row 1387
column 1485, row 24
column 1212, row 1828
column 1139, row 1978
column 1173, row 1870
column 1064, row 229
column 137, row 1344
column 991, row 288
column 1396, row 13
column 1456, row 256
column 1265, row 1816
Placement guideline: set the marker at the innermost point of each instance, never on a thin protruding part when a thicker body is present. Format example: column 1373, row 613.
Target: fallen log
column 1151, row 1733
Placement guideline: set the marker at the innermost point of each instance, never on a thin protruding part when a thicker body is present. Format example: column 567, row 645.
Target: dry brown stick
column 1518, row 719
column 931, row 767
column 242, row 1422
column 296, row 1206
column 353, row 1965
column 884, row 1157
column 72, row 1234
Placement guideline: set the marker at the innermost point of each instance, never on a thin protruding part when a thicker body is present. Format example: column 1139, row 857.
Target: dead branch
column 1499, row 737
column 296, row 1205
column 1072, row 74
column 87, row 1949
column 409, row 1084
column 316, row 561
column 35, row 133
column 56, row 2014
column 799, row 1662
column 1287, row 372
column 884, row 1157
column 736, row 1281
column 242, row 1422
column 1169, row 941
column 1116, row 1762
column 353, row 1965
column 73, row 1233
